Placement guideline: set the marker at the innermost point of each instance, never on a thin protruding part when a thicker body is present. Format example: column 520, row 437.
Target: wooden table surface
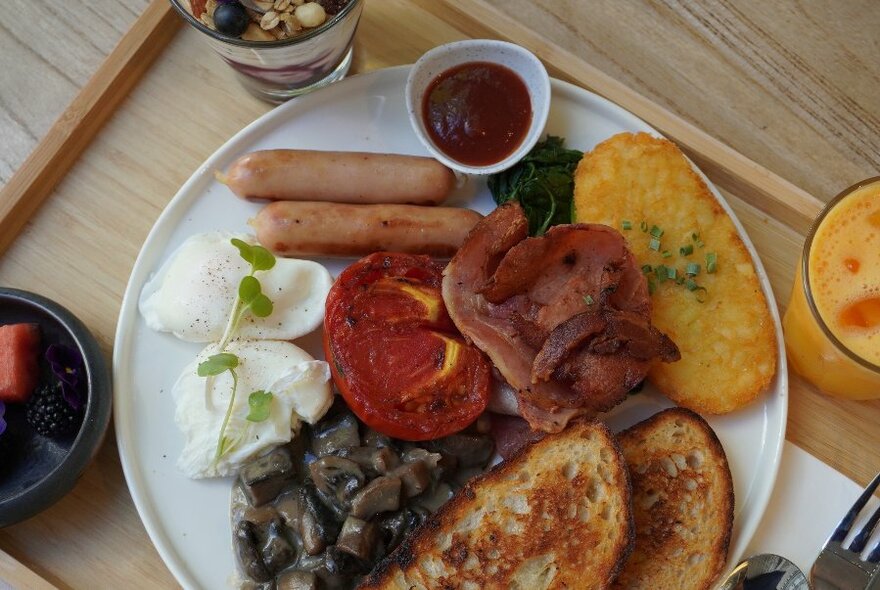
column 791, row 85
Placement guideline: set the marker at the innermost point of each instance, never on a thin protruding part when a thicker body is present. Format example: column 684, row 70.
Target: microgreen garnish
column 588, row 299
column 260, row 403
column 250, row 298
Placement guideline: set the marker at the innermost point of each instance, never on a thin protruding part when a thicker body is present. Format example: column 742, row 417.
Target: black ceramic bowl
column 35, row 470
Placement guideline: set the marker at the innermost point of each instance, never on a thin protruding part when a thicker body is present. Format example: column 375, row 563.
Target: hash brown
column 728, row 341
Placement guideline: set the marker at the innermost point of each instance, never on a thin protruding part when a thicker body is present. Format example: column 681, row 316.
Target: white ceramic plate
column 188, row 520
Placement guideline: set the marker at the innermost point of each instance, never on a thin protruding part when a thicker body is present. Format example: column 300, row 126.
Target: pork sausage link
column 342, row 177
column 290, row 228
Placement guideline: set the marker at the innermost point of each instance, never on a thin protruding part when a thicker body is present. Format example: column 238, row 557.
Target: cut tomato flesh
column 395, row 355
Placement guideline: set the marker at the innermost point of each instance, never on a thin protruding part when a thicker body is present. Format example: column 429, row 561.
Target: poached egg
column 300, row 388
column 193, row 292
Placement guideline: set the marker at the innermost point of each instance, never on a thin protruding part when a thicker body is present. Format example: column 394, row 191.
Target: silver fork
column 842, row 568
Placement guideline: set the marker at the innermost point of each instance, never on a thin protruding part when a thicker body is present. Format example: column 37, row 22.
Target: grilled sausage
column 292, row 228
column 342, row 177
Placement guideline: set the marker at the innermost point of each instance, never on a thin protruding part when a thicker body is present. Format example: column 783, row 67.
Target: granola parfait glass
column 279, row 70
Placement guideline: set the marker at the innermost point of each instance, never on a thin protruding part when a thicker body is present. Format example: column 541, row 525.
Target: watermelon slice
column 19, row 347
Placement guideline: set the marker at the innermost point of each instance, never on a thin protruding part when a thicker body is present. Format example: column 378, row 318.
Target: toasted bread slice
column 682, row 501
column 721, row 322
column 555, row 515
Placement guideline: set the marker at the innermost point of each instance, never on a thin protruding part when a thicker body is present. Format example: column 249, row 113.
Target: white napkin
column 808, row 501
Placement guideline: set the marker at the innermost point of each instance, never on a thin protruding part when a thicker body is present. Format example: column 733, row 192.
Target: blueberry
column 231, row 19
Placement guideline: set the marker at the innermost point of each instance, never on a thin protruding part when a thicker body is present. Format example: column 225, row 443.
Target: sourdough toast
column 682, row 502
column 555, row 515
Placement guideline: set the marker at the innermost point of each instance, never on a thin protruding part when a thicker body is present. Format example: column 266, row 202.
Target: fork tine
column 843, row 528
column 861, row 538
column 874, row 555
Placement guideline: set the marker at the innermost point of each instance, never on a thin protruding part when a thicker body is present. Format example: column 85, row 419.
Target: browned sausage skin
column 290, row 228
column 342, row 177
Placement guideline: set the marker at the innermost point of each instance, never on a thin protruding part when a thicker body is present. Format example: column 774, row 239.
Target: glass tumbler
column 276, row 71
column 832, row 323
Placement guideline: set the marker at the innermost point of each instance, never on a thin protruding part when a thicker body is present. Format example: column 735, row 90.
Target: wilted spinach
column 542, row 182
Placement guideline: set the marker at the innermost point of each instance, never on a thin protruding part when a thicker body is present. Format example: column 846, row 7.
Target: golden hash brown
column 727, row 342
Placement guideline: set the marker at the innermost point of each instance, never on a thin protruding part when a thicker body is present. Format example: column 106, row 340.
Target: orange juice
column 832, row 324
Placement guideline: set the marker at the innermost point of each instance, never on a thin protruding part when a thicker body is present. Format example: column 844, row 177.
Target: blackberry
column 49, row 414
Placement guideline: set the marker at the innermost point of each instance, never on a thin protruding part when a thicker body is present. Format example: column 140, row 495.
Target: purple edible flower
column 2, row 421
column 67, row 365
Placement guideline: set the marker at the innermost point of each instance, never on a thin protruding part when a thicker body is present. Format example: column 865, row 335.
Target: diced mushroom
column 377, row 439
column 380, row 495
column 318, row 527
column 358, row 538
column 338, row 478
column 471, row 450
column 260, row 516
column 262, row 479
column 249, row 560
column 374, row 461
column 396, row 526
column 415, row 478
column 334, row 568
column 334, row 434
column 290, row 508
column 277, row 553
column 297, row 580
column 419, row 454
column 434, row 499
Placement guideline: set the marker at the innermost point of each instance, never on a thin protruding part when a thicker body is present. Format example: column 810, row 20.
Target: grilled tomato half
column 395, row 354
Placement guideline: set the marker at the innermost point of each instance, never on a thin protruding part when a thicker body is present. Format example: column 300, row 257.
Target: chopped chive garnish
column 626, row 224
column 666, row 254
column 662, row 272
column 696, row 238
column 654, row 244
column 646, row 268
column 686, row 250
column 691, row 285
column 588, row 299
column 643, row 226
column 672, row 273
column 693, row 268
column 679, row 281
column 651, row 286
column 656, row 231
column 711, row 262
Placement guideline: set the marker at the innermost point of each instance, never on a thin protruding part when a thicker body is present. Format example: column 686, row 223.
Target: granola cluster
column 264, row 20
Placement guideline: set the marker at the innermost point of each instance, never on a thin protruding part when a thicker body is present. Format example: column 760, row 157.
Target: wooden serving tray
column 108, row 187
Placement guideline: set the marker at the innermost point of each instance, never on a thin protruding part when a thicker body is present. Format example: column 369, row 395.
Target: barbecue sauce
column 477, row 113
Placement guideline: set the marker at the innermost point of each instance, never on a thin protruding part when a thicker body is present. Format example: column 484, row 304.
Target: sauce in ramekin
column 477, row 113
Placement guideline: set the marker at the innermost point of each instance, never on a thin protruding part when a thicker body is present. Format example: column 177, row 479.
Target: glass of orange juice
column 832, row 324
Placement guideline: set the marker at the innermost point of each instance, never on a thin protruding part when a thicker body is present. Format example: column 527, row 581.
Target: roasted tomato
column 395, row 355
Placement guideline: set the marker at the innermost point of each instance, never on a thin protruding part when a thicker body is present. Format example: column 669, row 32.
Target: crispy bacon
column 564, row 317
